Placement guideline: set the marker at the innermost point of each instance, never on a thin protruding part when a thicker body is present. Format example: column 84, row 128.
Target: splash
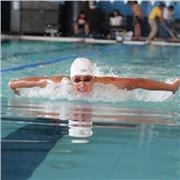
column 100, row 92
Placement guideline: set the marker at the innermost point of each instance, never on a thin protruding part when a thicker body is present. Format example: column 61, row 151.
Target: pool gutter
column 85, row 40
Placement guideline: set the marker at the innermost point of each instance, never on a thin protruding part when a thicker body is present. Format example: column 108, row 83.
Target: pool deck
column 87, row 40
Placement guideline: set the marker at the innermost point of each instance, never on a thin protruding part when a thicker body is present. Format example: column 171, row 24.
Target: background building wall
column 15, row 22
column 35, row 17
column 5, row 16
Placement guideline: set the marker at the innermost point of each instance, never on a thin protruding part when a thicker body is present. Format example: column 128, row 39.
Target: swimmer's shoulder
column 105, row 79
column 57, row 79
column 119, row 82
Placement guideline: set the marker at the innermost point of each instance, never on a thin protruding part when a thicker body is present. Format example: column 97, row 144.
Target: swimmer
column 82, row 79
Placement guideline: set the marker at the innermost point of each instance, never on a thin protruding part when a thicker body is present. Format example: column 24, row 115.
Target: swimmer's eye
column 85, row 79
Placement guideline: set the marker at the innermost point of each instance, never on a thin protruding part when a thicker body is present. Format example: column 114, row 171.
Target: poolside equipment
column 169, row 31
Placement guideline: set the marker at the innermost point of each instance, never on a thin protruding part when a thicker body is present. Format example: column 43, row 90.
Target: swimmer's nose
column 81, row 84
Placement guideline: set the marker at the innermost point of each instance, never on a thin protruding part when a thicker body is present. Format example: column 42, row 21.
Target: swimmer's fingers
column 17, row 92
column 176, row 86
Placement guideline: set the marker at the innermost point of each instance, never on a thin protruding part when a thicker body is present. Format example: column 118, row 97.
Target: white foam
column 100, row 92
column 152, row 96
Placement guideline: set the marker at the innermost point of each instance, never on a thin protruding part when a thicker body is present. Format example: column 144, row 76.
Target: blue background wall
column 108, row 7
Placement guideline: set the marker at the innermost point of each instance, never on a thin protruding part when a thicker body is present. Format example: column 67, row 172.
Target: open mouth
column 82, row 91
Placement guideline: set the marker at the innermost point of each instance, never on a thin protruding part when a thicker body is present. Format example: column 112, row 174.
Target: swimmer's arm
column 33, row 82
column 135, row 83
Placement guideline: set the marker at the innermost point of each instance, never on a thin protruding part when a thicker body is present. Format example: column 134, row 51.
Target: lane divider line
column 62, row 58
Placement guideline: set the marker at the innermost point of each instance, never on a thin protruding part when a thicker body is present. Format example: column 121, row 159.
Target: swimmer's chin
column 82, row 93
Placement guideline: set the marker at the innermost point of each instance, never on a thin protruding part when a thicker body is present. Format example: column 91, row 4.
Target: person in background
column 167, row 25
column 115, row 23
column 82, row 80
column 81, row 26
column 138, row 17
column 154, row 19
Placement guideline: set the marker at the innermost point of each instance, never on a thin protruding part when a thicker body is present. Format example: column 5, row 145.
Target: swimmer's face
column 82, row 84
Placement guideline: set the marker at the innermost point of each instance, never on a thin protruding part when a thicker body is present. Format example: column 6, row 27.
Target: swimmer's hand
column 11, row 85
column 176, row 86
column 15, row 85
column 16, row 92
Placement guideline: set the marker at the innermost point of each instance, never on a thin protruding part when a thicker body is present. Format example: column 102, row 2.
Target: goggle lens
column 86, row 79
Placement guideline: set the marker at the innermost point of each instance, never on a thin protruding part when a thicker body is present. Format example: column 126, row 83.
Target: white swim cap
column 81, row 66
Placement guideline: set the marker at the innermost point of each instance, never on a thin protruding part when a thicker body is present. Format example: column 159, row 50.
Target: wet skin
column 82, row 84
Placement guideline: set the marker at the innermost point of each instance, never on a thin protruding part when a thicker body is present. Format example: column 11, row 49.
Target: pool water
column 115, row 135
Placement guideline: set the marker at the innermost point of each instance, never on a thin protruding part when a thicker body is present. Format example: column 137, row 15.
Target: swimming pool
column 115, row 135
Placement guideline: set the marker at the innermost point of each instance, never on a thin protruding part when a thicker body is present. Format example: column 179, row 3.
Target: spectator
column 115, row 23
column 81, row 26
column 155, row 16
column 167, row 25
column 137, row 18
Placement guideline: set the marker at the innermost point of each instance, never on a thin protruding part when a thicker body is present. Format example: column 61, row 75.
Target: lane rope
column 59, row 59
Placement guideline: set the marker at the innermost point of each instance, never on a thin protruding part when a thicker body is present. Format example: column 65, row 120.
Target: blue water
column 120, row 135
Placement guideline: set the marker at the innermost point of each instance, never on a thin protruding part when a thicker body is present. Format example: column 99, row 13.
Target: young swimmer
column 82, row 79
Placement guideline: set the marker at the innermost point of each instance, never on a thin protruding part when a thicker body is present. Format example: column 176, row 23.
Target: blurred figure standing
column 138, row 17
column 154, row 19
column 168, row 20
column 81, row 26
